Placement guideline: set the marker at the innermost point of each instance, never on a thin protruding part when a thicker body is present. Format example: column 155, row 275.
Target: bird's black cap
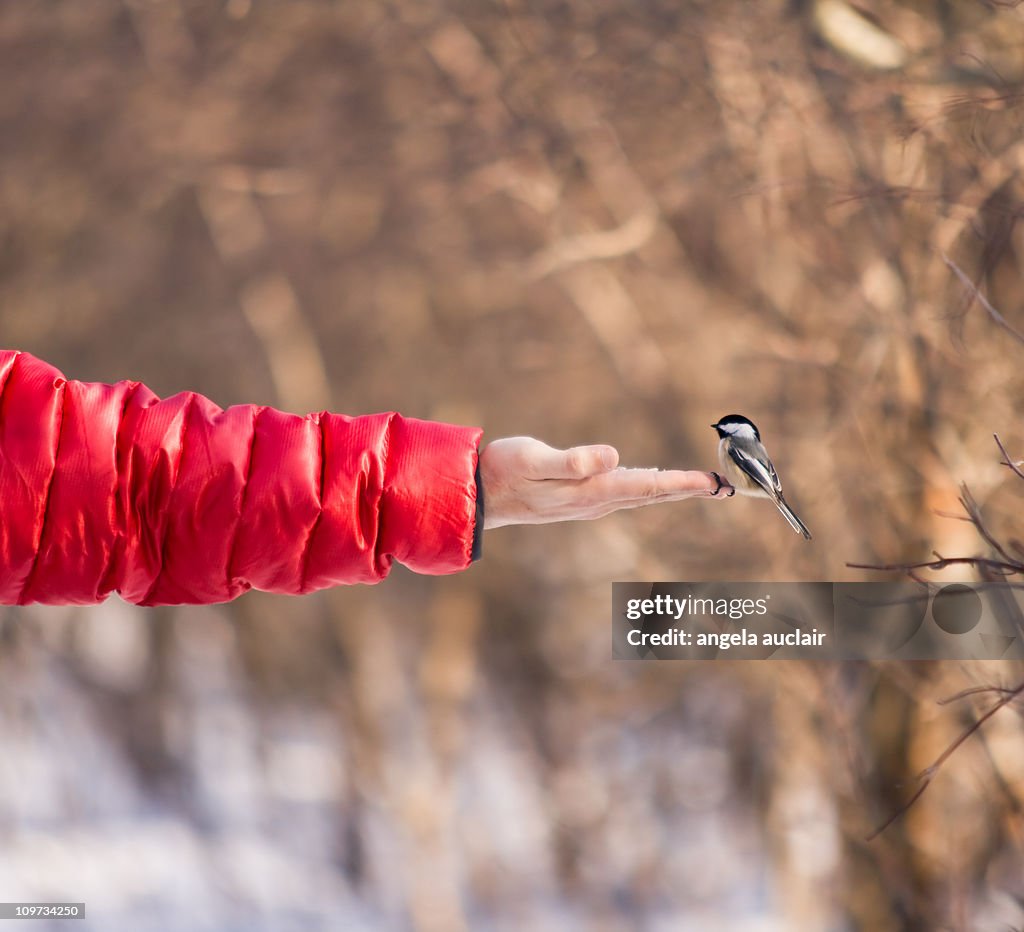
column 734, row 419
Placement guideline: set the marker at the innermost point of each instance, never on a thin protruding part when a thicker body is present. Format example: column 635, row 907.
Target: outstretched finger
column 657, row 484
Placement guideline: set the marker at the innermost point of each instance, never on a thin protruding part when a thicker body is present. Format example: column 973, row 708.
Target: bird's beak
column 714, row 425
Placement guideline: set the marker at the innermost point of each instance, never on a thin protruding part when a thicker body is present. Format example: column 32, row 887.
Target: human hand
column 527, row 482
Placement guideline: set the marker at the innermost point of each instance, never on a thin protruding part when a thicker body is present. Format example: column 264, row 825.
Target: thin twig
column 928, row 774
column 975, row 691
column 1006, row 461
column 974, row 513
column 970, row 286
column 899, row 812
column 986, row 568
column 1007, row 568
column 1012, row 694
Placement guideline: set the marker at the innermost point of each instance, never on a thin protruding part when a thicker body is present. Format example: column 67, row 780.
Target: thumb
column 576, row 462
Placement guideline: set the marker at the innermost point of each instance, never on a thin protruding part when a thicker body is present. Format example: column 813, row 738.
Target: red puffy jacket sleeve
column 109, row 488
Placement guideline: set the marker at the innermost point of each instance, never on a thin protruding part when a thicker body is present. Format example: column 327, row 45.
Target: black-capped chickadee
column 747, row 466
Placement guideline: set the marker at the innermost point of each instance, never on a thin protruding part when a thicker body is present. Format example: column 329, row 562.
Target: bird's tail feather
column 791, row 517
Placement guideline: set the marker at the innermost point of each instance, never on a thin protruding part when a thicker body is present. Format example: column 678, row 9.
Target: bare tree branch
column 1007, row 566
column 976, row 691
column 973, row 289
column 1006, row 461
column 987, row 568
column 928, row 774
column 940, row 563
column 974, row 515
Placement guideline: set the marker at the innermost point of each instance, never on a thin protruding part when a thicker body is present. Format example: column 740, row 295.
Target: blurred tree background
column 589, row 222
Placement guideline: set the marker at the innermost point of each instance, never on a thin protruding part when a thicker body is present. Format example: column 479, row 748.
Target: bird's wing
column 762, row 473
